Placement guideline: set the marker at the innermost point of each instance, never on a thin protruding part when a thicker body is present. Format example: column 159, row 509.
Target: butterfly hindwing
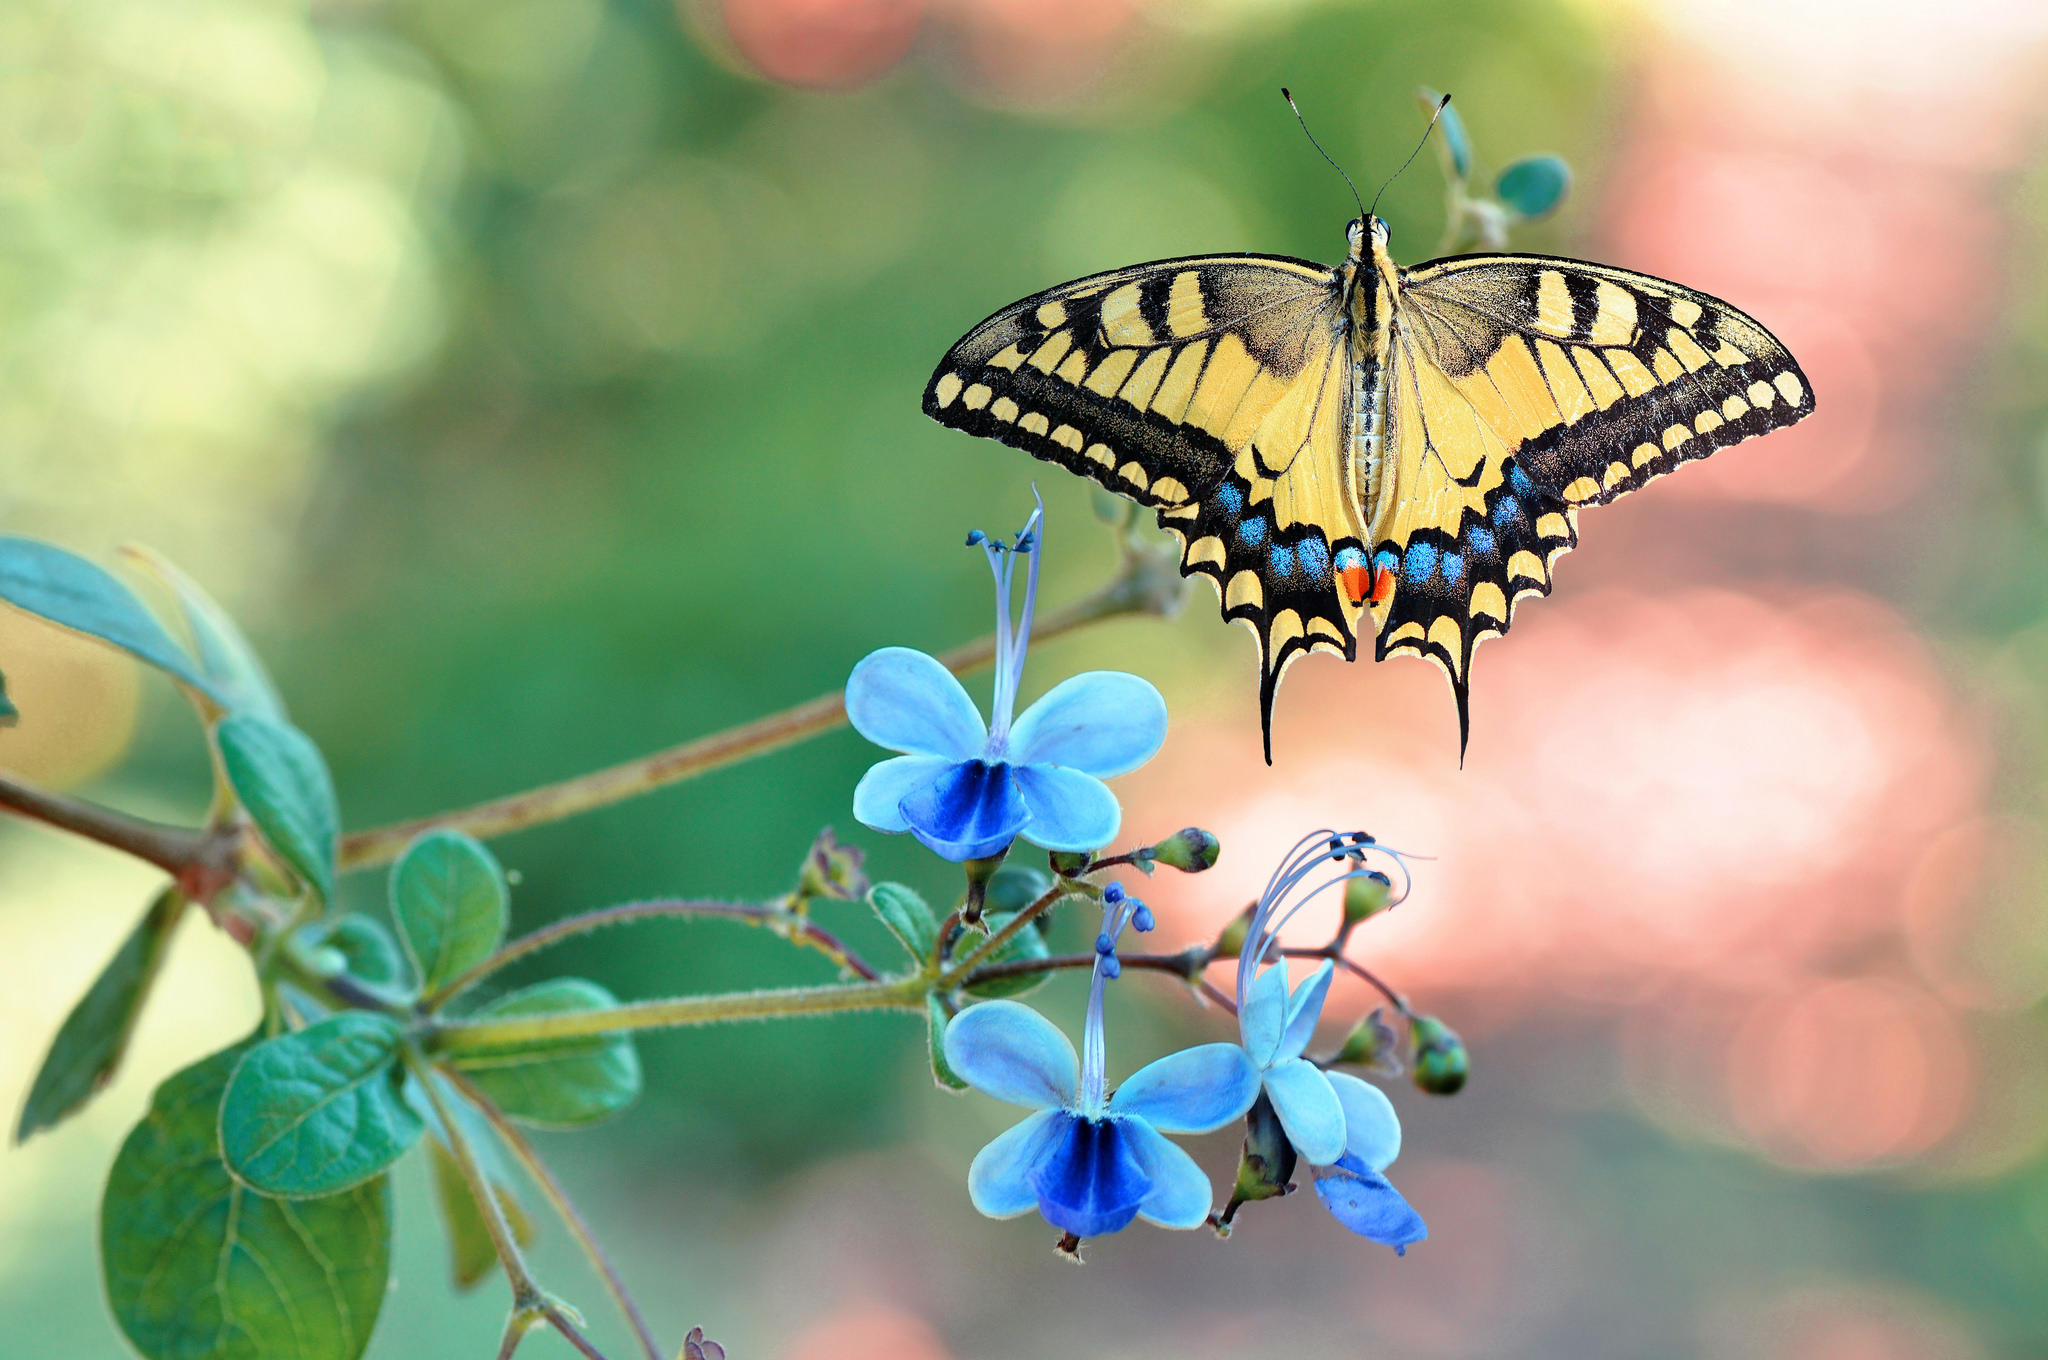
column 1523, row 388
column 1212, row 389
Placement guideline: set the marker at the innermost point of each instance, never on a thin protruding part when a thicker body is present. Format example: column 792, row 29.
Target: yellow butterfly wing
column 1215, row 389
column 1522, row 388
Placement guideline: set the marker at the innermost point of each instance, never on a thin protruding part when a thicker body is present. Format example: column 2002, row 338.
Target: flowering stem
column 1142, row 586
column 1057, row 893
column 458, row 1036
column 564, row 1208
column 1186, row 965
column 802, row 931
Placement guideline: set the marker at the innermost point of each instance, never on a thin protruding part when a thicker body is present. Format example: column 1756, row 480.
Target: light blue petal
column 1180, row 1193
column 1264, row 1016
column 1364, row 1202
column 1372, row 1131
column 902, row 699
column 878, row 798
column 1192, row 1091
column 1007, row 1050
column 1102, row 723
column 1303, row 1010
column 999, row 1181
column 1069, row 810
column 1309, row 1110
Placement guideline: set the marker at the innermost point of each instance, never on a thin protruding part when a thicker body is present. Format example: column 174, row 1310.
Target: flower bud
column 1266, row 1168
column 832, row 870
column 1441, row 1063
column 1190, row 850
column 1373, row 1045
column 1069, row 863
column 1367, row 895
column 1230, row 943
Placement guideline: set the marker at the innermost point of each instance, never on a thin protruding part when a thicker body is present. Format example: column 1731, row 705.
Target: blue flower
column 1344, row 1127
column 1091, row 1163
column 966, row 789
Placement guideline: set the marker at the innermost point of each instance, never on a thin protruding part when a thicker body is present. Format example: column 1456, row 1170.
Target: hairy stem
column 565, row 1209
column 184, row 854
column 465, row 1036
column 1145, row 584
column 802, row 931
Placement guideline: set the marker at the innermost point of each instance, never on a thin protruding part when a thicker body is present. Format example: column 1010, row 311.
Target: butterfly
column 1367, row 446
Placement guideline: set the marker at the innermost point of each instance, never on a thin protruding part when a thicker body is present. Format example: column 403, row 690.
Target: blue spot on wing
column 1251, row 532
column 1420, row 563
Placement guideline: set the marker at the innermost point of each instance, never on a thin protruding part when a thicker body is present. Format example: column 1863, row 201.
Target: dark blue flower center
column 1090, row 1181
column 970, row 811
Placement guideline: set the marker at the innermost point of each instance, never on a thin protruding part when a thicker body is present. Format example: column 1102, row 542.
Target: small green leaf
column 471, row 1252
column 318, row 1111
column 200, row 1267
column 1534, row 186
column 908, row 918
column 66, row 589
column 225, row 655
column 1026, row 944
column 936, row 1020
column 449, row 899
column 372, row 954
column 95, row 1035
column 1016, row 886
column 560, row 1083
column 1457, row 144
column 277, row 773
column 9, row 714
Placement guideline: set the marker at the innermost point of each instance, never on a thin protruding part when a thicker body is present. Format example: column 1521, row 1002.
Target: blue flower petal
column 1089, row 1179
column 1192, row 1091
column 1180, row 1193
column 1102, row 723
column 1309, row 1110
column 999, row 1181
column 1264, row 1016
column 1303, row 1010
column 1007, row 1050
column 1372, row 1131
column 878, row 798
column 1364, row 1202
column 970, row 811
column 902, row 699
column 1068, row 810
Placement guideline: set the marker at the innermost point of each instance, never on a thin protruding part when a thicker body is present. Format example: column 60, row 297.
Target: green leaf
column 908, row 918
column 95, row 1035
column 66, row 589
column 318, row 1111
column 200, row 1267
column 9, row 714
column 936, row 1020
column 277, row 773
column 471, row 1252
column 560, row 1083
column 1535, row 185
column 1014, row 886
column 448, row 897
column 368, row 947
column 1026, row 944
column 225, row 656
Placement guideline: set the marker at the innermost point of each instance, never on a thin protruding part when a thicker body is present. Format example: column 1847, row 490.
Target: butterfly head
column 1367, row 237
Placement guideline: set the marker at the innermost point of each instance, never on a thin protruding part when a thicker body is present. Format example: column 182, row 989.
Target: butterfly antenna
column 1441, row 105
column 1319, row 148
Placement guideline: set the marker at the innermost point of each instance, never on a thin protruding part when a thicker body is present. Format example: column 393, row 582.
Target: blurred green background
column 538, row 380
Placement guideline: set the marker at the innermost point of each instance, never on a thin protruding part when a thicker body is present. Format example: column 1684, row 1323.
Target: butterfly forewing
column 1211, row 389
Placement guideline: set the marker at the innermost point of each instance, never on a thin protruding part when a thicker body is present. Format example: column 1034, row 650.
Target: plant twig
column 565, row 1209
column 201, row 862
column 804, row 931
column 1057, row 893
column 1147, row 583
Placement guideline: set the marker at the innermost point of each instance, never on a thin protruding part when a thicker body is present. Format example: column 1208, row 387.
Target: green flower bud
column 1534, row 186
column 1373, row 1045
column 1441, row 1063
column 1190, row 850
column 1230, row 943
column 1265, row 1170
column 832, row 870
column 1069, row 863
column 1367, row 895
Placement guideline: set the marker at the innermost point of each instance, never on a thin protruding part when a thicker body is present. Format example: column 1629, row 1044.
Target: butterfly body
column 1363, row 447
